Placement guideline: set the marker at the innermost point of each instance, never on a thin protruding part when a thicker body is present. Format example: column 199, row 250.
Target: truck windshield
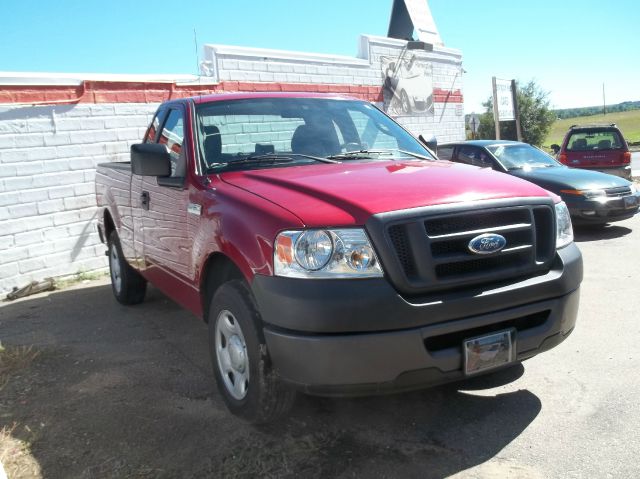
column 232, row 133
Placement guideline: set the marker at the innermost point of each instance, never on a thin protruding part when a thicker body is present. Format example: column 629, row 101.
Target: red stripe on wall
column 130, row 92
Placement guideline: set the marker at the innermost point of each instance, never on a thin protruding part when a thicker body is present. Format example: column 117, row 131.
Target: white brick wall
column 228, row 63
column 48, row 156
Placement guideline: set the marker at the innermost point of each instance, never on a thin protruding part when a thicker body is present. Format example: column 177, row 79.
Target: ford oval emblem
column 487, row 243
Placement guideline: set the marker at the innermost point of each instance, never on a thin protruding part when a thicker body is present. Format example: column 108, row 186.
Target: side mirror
column 431, row 144
column 556, row 148
column 150, row 159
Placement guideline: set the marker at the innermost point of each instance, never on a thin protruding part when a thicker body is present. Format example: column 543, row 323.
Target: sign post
column 505, row 104
column 516, row 109
column 474, row 123
column 496, row 114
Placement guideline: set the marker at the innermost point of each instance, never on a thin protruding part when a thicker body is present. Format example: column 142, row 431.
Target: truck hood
column 349, row 193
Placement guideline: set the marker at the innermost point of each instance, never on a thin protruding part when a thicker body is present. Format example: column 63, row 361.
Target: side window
column 173, row 135
column 466, row 154
column 152, row 132
column 445, row 153
column 475, row 156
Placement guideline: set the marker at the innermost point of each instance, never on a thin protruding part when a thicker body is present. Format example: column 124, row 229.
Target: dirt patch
column 15, row 454
column 13, row 359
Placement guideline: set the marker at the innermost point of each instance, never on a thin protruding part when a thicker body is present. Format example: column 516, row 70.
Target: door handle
column 144, row 200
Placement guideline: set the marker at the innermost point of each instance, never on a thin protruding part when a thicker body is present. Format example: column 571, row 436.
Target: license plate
column 630, row 202
column 488, row 352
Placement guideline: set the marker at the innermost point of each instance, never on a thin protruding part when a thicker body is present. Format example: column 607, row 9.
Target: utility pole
column 604, row 101
column 496, row 114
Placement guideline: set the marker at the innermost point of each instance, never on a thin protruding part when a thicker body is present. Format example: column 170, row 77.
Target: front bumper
column 349, row 337
column 608, row 210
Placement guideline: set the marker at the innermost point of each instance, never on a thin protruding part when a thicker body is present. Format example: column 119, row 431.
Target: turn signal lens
column 626, row 157
column 571, row 192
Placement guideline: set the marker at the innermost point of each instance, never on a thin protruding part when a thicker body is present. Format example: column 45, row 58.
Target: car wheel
column 404, row 101
column 241, row 365
column 128, row 286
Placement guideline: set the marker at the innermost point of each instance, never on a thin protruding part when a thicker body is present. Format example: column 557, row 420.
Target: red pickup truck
column 330, row 252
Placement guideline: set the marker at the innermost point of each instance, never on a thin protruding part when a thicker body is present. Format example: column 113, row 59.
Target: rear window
column 595, row 140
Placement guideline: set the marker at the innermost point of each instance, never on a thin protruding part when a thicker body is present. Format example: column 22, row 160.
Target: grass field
column 627, row 121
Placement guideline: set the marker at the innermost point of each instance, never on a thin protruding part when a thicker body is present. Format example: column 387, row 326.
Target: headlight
column 564, row 231
column 593, row 194
column 336, row 253
column 633, row 189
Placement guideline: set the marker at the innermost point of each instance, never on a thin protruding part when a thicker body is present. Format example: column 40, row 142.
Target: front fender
column 240, row 225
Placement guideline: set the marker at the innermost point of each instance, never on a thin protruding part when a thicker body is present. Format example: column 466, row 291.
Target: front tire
column 126, row 283
column 241, row 365
column 405, row 103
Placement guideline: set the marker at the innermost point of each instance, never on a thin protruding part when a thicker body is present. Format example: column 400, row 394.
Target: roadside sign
column 505, row 105
column 504, row 97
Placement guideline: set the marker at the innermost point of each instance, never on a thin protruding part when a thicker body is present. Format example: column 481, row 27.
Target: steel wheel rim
column 114, row 266
column 231, row 355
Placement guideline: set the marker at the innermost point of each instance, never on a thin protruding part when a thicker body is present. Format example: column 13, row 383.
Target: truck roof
column 247, row 95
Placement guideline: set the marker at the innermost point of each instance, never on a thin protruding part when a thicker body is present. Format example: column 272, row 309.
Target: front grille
column 400, row 241
column 476, row 221
column 618, row 192
column 433, row 251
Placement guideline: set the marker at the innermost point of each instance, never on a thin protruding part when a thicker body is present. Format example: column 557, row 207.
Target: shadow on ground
column 127, row 392
column 587, row 233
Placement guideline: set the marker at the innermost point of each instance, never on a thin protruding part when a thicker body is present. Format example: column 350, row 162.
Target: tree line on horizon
column 596, row 110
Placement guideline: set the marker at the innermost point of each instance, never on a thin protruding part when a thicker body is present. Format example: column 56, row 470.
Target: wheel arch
column 109, row 224
column 217, row 270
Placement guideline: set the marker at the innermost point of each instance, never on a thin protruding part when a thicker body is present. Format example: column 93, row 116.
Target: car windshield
column 269, row 132
column 514, row 157
column 588, row 140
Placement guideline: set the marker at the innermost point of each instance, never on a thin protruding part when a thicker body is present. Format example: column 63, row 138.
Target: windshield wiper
column 357, row 154
column 270, row 158
column 290, row 156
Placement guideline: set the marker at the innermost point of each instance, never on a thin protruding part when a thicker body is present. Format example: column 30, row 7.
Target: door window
column 173, row 136
column 445, row 153
column 475, row 156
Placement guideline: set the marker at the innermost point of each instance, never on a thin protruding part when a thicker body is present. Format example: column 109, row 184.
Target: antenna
column 198, row 74
column 195, row 44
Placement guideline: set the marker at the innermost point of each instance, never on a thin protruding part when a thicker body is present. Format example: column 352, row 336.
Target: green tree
column 535, row 117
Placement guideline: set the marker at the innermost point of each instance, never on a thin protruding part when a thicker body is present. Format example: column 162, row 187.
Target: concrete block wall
column 48, row 156
column 55, row 129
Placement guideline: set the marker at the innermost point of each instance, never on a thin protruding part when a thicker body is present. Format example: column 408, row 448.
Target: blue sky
column 569, row 47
